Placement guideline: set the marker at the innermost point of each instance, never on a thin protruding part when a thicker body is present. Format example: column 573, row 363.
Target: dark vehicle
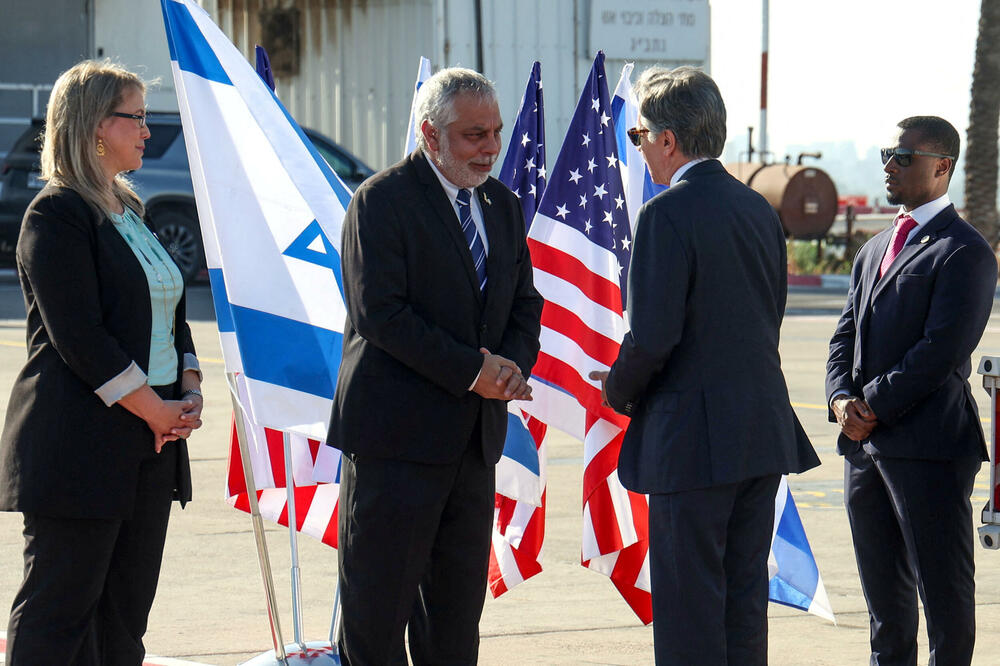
column 163, row 182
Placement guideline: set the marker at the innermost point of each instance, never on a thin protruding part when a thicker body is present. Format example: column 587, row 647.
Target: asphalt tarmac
column 210, row 604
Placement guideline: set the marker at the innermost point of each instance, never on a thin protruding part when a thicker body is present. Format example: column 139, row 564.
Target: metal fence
column 36, row 89
column 14, row 98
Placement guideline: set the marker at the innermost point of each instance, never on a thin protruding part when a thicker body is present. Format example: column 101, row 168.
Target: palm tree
column 982, row 155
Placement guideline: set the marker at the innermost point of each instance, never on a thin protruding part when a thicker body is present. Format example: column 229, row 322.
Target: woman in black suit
column 93, row 447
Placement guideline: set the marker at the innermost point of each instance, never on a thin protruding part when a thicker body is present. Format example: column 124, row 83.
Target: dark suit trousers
column 912, row 527
column 89, row 584
column 414, row 548
column 708, row 567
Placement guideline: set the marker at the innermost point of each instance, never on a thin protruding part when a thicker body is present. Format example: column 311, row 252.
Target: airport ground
column 210, row 605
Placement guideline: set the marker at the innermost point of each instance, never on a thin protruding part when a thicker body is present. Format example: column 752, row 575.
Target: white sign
column 659, row 30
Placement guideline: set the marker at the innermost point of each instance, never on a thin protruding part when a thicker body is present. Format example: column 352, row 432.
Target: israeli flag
column 795, row 579
column 638, row 185
column 794, row 576
column 271, row 211
column 423, row 73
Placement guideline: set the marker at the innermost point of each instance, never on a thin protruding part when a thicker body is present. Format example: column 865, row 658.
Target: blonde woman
column 93, row 448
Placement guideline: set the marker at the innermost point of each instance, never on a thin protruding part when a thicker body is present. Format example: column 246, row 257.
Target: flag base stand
column 316, row 653
column 989, row 531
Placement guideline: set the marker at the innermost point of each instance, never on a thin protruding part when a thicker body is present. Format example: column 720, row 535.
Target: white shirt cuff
column 191, row 363
column 121, row 384
column 473, row 384
column 836, row 395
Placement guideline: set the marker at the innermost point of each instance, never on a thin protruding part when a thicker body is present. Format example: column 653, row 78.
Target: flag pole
column 337, row 618
column 293, row 544
column 258, row 530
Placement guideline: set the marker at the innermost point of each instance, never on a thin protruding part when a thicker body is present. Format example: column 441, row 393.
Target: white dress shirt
column 451, row 191
column 679, row 174
column 921, row 215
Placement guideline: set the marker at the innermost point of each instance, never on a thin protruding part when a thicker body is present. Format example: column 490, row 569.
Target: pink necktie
column 904, row 225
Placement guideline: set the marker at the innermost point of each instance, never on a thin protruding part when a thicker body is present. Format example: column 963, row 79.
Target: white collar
column 450, row 188
column 926, row 212
column 679, row 174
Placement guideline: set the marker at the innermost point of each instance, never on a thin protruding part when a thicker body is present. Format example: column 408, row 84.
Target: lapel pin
column 925, row 239
column 487, row 199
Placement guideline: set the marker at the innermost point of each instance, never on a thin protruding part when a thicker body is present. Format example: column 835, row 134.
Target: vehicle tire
column 178, row 230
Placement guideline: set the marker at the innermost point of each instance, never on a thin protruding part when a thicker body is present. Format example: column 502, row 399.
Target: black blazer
column 63, row 452
column 904, row 343
column 699, row 371
column 416, row 318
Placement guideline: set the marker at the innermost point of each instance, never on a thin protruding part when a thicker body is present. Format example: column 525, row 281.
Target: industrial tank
column 804, row 196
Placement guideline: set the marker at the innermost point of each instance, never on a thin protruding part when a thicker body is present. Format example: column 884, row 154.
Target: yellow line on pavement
column 12, row 343
column 219, row 361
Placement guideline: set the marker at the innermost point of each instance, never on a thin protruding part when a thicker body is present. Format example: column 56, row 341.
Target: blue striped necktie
column 472, row 237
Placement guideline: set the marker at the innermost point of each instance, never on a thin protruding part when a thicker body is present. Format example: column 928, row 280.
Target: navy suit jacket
column 416, row 318
column 904, row 342
column 699, row 371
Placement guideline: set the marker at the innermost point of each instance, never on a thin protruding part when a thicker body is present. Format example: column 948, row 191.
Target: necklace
column 153, row 257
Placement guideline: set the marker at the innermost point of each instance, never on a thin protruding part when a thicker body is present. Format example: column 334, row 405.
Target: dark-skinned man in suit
column 442, row 330
column 897, row 384
column 712, row 429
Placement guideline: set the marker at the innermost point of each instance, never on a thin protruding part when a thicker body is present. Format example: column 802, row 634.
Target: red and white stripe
column 582, row 328
column 518, row 531
column 314, row 469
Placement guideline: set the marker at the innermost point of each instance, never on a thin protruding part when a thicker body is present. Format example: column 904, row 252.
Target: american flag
column 580, row 242
column 519, row 522
column 518, row 528
column 315, row 478
column 315, row 503
column 523, row 169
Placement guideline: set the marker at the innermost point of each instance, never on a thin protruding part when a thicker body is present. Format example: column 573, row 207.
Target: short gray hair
column 686, row 101
column 436, row 99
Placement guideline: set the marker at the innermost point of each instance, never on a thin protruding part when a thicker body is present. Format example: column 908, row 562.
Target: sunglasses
column 133, row 116
column 635, row 135
column 904, row 156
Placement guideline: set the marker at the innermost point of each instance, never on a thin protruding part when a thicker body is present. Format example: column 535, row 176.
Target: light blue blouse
column 166, row 286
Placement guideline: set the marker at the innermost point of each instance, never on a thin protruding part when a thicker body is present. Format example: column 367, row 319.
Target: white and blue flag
column 423, row 73
column 795, row 579
column 271, row 211
column 635, row 175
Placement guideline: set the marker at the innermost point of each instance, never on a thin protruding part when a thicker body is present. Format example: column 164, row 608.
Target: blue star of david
column 299, row 249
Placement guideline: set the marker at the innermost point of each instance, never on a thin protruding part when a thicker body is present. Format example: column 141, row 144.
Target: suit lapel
column 924, row 238
column 447, row 217
column 494, row 230
column 870, row 279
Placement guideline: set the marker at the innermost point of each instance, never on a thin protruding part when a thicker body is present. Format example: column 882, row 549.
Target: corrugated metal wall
column 358, row 59
column 518, row 32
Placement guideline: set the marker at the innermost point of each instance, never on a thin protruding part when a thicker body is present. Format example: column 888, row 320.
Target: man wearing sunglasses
column 897, row 384
column 712, row 429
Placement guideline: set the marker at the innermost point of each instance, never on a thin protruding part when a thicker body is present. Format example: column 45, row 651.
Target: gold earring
column 100, row 148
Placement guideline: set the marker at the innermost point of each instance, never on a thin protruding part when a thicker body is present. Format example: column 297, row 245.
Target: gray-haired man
column 712, row 429
column 442, row 330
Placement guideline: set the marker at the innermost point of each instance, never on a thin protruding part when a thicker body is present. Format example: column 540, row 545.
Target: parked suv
column 163, row 183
